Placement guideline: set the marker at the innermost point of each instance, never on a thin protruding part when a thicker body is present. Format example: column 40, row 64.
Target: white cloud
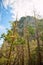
column 24, row 7
column 17, row 6
column 5, row 3
column 2, row 27
column 39, row 6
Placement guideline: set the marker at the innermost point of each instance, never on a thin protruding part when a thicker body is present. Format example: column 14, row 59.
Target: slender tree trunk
column 29, row 53
column 39, row 51
column 37, row 38
column 16, row 60
column 22, row 55
column 8, row 62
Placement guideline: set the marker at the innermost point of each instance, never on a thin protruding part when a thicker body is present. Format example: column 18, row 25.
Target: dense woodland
column 23, row 43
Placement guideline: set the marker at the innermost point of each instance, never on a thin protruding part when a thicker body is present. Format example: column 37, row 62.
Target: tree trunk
column 16, row 60
column 29, row 53
column 22, row 55
column 8, row 62
column 39, row 51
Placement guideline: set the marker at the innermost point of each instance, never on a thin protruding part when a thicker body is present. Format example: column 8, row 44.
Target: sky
column 9, row 9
